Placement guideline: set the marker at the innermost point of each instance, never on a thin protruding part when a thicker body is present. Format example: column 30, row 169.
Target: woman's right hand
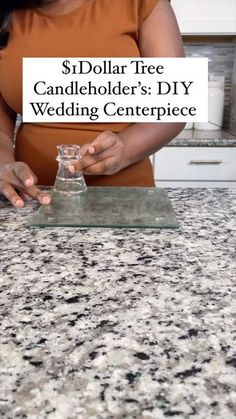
column 18, row 184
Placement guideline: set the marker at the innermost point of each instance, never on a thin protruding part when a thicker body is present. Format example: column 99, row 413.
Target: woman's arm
column 7, row 124
column 17, row 181
column 159, row 36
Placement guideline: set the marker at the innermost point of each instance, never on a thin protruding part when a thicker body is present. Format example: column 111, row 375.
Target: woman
column 112, row 154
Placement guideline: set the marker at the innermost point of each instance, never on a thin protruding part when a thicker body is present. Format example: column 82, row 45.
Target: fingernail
column 46, row 199
column 29, row 182
column 72, row 169
column 19, row 203
column 92, row 150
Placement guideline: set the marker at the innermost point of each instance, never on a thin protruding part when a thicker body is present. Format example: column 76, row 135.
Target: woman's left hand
column 106, row 155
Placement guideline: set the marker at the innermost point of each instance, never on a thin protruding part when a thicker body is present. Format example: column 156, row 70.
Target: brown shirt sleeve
column 145, row 8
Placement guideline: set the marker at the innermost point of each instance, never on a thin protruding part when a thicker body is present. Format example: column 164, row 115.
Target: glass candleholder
column 68, row 182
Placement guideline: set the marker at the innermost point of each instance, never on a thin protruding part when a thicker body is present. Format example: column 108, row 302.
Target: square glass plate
column 108, row 207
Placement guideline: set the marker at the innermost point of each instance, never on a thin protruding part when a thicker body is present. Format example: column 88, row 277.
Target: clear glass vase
column 68, row 182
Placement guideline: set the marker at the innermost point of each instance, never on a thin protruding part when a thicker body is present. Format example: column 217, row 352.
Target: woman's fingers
column 24, row 196
column 17, row 198
column 40, row 196
column 9, row 192
column 95, row 152
column 24, row 174
column 103, row 156
column 83, row 150
column 89, row 160
column 17, row 184
column 28, row 178
column 86, row 161
column 107, row 166
column 102, row 142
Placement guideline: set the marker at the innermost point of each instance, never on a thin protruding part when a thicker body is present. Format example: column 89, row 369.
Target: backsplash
column 233, row 101
column 221, row 62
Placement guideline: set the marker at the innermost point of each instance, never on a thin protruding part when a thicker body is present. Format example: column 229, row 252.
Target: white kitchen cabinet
column 206, row 17
column 195, row 167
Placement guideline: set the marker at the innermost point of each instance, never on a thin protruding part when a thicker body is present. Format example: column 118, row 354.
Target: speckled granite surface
column 194, row 138
column 120, row 324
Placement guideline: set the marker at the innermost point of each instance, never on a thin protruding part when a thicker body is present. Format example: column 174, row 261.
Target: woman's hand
column 17, row 184
column 105, row 155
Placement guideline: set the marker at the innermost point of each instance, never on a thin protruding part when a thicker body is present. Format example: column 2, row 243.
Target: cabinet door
column 195, row 164
column 216, row 17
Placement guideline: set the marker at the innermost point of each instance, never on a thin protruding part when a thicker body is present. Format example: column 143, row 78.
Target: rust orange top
column 98, row 28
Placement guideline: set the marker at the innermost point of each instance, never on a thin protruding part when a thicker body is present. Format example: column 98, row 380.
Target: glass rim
column 68, row 152
column 70, row 146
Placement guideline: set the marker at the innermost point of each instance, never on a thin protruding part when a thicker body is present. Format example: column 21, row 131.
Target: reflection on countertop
column 105, row 323
column 195, row 138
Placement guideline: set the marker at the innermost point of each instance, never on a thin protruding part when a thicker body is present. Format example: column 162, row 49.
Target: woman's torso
column 98, row 28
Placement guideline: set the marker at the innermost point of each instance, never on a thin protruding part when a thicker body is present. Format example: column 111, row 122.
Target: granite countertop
column 194, row 138
column 105, row 323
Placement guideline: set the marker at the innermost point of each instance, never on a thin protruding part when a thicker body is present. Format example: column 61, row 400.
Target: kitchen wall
column 233, row 101
column 221, row 62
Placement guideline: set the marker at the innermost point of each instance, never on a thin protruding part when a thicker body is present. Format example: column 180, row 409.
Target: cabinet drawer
column 196, row 163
